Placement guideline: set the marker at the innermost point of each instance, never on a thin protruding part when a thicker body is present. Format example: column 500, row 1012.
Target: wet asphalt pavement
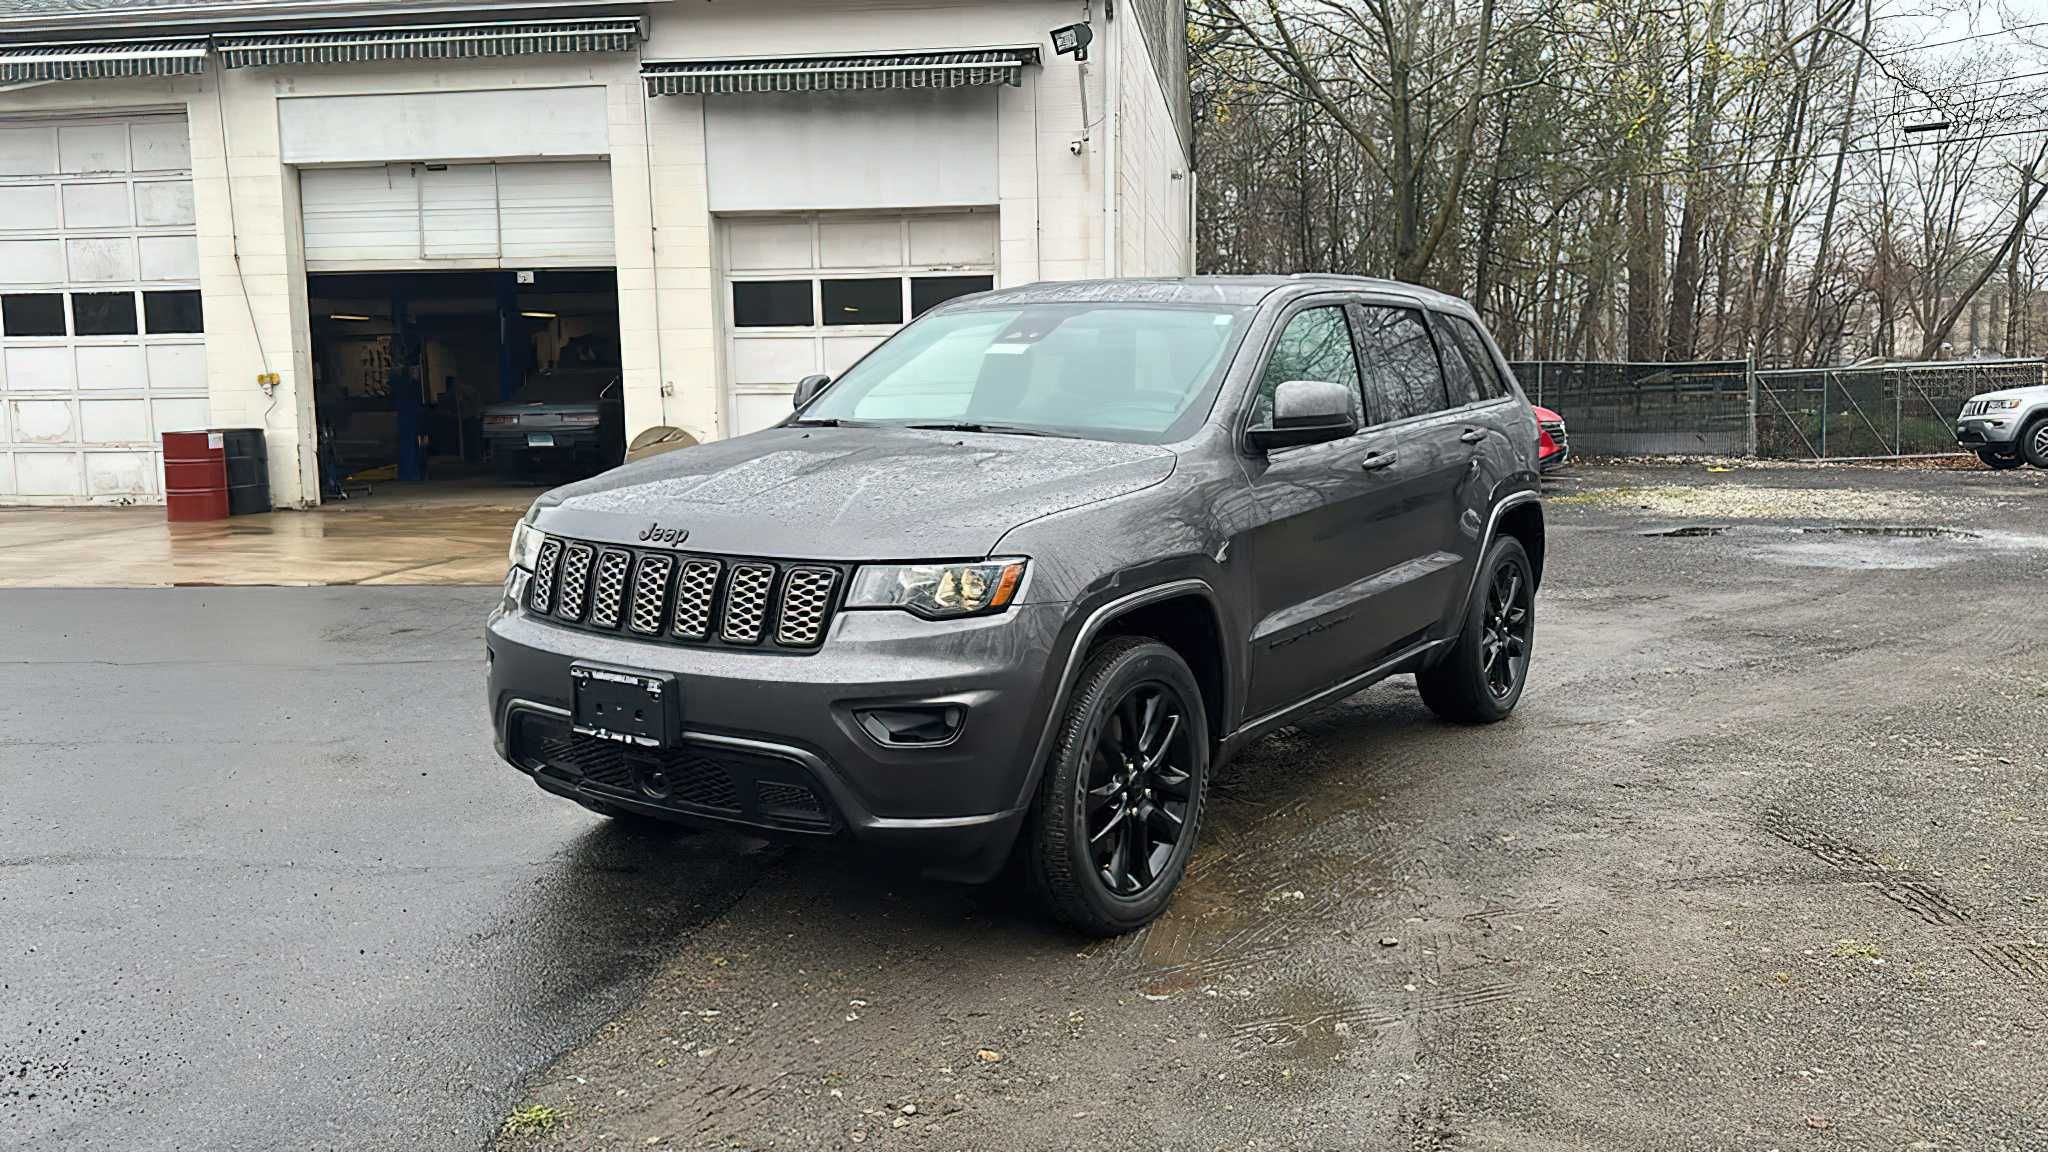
column 1757, row 864
column 263, row 884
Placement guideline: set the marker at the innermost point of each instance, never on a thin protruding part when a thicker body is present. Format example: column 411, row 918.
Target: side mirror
column 807, row 388
column 1307, row 412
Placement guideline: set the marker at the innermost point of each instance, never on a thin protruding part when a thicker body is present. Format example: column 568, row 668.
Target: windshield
column 1142, row 373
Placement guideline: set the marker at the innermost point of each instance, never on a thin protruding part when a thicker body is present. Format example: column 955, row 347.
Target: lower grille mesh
column 693, row 778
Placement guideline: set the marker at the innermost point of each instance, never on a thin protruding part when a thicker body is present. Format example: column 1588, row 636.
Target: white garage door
column 807, row 294
column 101, row 348
column 402, row 216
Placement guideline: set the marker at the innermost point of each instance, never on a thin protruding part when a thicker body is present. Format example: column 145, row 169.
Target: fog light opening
column 916, row 727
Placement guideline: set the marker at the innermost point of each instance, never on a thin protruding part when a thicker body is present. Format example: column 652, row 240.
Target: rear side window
column 1400, row 363
column 1460, row 380
column 1315, row 345
column 1478, row 356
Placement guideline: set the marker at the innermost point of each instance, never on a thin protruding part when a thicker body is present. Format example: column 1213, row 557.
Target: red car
column 1552, row 449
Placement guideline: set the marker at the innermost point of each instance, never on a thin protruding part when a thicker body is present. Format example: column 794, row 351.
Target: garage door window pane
column 928, row 292
column 32, row 314
column 167, row 312
column 863, row 301
column 103, row 313
column 771, row 304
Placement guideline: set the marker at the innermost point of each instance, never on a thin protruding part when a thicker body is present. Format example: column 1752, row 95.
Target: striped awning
column 428, row 42
column 104, row 60
column 839, row 73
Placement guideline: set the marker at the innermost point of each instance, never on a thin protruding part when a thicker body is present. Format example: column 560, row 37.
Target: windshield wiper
column 996, row 429
column 829, row 422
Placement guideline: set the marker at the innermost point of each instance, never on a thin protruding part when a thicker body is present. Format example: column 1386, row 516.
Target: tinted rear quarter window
column 1479, row 356
column 1400, row 363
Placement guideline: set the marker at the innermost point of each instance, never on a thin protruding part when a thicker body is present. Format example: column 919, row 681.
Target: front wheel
column 1121, row 800
column 1479, row 679
column 2034, row 442
column 1999, row 461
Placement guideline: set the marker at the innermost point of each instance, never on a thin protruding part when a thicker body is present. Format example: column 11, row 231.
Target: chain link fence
column 1729, row 408
column 1613, row 409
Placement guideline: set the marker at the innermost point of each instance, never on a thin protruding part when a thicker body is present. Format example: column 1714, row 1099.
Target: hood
column 2026, row 392
column 850, row 493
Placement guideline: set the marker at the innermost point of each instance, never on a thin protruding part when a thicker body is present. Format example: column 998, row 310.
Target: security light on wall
column 1073, row 40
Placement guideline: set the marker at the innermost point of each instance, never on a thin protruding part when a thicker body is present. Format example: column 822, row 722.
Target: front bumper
column 1998, row 433
column 578, row 439
column 771, row 740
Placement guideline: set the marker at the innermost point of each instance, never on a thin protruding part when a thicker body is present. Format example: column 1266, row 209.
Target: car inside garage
column 449, row 375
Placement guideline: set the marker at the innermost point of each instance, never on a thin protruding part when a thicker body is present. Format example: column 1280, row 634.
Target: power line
column 1885, row 55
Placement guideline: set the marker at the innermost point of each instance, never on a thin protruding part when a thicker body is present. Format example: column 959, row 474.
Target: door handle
column 1472, row 435
column 1374, row 461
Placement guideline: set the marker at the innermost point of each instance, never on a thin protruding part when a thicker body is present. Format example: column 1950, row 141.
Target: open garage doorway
column 465, row 375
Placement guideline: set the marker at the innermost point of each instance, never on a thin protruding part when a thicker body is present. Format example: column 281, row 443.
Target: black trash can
column 248, row 460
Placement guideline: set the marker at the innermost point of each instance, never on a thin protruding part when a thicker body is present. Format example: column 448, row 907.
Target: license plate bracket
column 625, row 705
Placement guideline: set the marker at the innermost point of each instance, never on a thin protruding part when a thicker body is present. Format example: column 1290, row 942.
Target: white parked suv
column 2007, row 428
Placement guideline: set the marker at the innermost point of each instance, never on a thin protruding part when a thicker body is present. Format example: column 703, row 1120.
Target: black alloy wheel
column 1504, row 644
column 1119, row 803
column 1139, row 788
column 1478, row 677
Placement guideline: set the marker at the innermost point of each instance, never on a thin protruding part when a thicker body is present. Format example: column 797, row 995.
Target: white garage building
column 772, row 185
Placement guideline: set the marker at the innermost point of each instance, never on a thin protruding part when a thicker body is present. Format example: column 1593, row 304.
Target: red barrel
column 195, row 476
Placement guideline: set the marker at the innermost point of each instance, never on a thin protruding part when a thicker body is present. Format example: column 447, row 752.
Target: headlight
column 2000, row 405
column 937, row 591
column 526, row 542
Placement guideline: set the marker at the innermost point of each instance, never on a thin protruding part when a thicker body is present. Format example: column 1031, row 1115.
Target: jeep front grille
column 610, row 593
column 575, row 580
column 544, row 570
column 806, row 598
column 746, row 602
column 658, row 594
column 1975, row 407
column 694, row 599
column 650, row 593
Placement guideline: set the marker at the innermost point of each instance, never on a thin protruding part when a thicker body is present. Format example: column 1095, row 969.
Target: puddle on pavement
column 1689, row 530
column 1908, row 531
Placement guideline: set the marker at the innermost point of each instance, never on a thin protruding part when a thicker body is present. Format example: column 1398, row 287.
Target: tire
column 1463, row 687
column 2033, row 442
column 1998, row 462
column 1095, row 870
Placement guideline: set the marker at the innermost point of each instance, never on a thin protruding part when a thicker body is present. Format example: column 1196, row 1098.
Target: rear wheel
column 1479, row 679
column 1121, row 800
column 2034, row 442
column 1999, row 460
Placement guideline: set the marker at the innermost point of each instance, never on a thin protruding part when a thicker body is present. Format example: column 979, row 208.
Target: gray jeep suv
column 1016, row 584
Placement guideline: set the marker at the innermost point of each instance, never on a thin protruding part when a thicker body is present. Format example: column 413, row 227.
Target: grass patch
column 1855, row 950
column 532, row 1120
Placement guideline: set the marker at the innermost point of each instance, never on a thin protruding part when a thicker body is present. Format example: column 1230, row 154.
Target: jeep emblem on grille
column 655, row 534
